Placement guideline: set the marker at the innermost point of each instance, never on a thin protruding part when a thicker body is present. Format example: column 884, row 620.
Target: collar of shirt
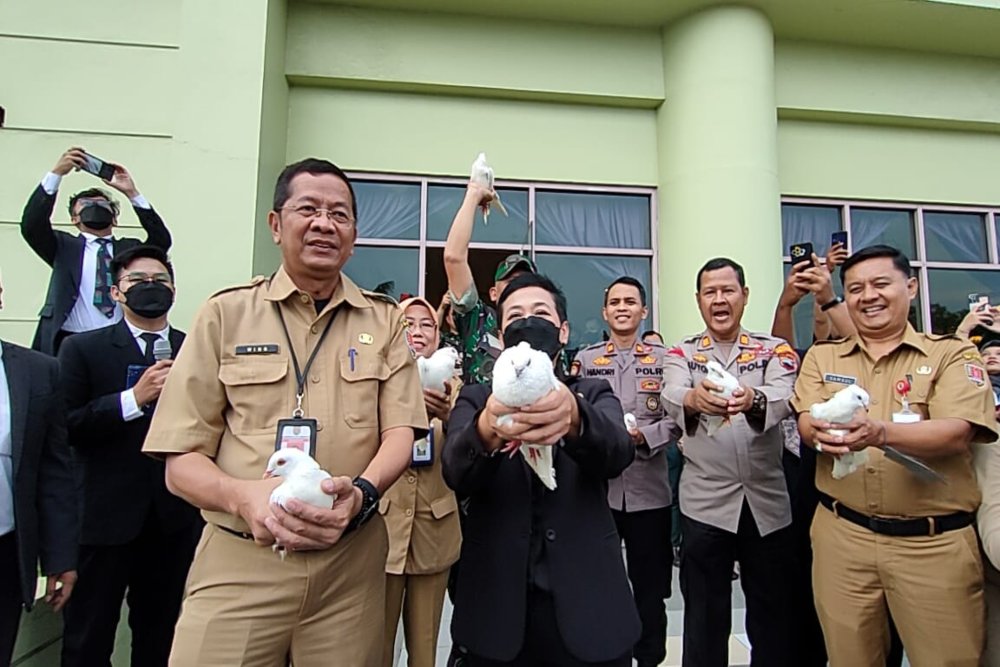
column 137, row 332
column 91, row 239
column 911, row 338
column 281, row 287
column 743, row 339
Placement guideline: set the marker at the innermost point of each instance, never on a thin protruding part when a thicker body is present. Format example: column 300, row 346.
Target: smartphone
column 839, row 237
column 978, row 302
column 799, row 252
column 98, row 167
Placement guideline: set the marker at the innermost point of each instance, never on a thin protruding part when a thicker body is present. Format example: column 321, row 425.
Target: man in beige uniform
column 421, row 515
column 734, row 500
column 246, row 365
column 886, row 540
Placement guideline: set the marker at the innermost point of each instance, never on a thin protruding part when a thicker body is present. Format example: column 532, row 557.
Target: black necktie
column 103, row 279
column 150, row 339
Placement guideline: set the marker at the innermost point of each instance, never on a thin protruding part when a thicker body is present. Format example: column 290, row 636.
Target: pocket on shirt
column 255, row 392
column 359, row 398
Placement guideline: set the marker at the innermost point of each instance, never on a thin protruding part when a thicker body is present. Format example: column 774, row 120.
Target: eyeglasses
column 423, row 325
column 140, row 277
column 310, row 212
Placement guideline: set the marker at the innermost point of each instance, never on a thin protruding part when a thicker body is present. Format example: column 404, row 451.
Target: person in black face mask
column 130, row 524
column 542, row 578
column 79, row 296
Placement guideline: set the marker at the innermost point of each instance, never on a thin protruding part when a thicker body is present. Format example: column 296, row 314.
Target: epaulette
column 945, row 336
column 256, row 280
column 829, row 341
column 593, row 346
column 380, row 297
column 691, row 339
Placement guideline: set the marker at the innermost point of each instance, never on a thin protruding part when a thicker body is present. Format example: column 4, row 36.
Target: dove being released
column 482, row 174
column 840, row 409
column 521, row 376
column 301, row 478
column 721, row 377
column 436, row 370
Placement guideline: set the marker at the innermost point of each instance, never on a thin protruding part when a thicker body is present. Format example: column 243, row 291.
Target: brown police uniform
column 421, row 515
column 231, row 383
column 734, row 499
column 932, row 579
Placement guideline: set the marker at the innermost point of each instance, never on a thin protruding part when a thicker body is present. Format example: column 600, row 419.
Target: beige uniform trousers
column 420, row 599
column 932, row 585
column 245, row 606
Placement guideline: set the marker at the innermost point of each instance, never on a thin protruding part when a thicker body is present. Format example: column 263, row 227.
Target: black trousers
column 149, row 572
column 543, row 645
column 649, row 557
column 706, row 582
column 10, row 597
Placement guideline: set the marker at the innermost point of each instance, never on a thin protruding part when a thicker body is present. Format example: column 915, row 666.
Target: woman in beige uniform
column 421, row 515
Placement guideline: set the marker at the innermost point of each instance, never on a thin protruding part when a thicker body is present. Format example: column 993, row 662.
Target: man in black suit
column 135, row 535
column 79, row 295
column 37, row 515
column 542, row 579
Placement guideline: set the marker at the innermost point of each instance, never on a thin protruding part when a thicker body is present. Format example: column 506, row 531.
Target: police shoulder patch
column 574, row 368
column 676, row 351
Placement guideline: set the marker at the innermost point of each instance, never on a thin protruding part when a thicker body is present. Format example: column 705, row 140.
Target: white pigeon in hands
column 521, row 376
column 436, row 370
column 301, row 479
column 482, row 174
column 721, row 377
column 840, row 409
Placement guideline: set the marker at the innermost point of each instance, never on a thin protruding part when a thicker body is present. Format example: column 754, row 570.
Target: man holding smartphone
column 79, row 294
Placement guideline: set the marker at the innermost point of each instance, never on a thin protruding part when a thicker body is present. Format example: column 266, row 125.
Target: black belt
column 922, row 526
column 237, row 533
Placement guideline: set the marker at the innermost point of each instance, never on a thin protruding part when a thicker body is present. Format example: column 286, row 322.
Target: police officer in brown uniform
column 734, row 501
column 887, row 539
column 421, row 515
column 305, row 348
column 640, row 497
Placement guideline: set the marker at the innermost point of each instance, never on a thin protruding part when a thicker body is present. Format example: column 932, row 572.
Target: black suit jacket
column 594, row 607
column 119, row 484
column 45, row 519
column 64, row 253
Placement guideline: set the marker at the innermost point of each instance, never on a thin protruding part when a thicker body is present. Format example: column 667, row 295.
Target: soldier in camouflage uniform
column 475, row 321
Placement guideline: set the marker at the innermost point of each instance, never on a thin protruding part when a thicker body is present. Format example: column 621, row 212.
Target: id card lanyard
column 299, row 432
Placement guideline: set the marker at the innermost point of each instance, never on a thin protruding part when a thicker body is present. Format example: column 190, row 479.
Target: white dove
column 840, row 409
column 302, row 477
column 436, row 370
column 721, row 377
column 521, row 376
column 482, row 174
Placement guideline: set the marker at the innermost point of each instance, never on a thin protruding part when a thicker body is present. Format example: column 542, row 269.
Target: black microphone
column 162, row 349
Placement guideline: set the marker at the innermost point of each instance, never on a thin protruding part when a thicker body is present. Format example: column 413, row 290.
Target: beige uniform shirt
column 233, row 380
column 421, row 515
column 738, row 461
column 947, row 379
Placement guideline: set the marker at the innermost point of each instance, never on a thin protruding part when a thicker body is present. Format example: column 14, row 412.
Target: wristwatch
column 831, row 303
column 759, row 405
column 369, row 504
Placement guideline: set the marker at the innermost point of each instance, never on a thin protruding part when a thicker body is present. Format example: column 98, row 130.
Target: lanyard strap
column 301, row 375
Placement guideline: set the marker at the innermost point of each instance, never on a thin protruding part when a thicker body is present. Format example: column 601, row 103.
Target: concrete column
column 718, row 162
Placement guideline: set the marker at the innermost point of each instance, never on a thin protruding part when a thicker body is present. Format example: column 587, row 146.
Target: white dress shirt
column 6, row 456
column 130, row 408
column 85, row 316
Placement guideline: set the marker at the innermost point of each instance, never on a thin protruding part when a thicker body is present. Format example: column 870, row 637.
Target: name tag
column 423, row 451
column 905, row 417
column 842, row 379
column 265, row 348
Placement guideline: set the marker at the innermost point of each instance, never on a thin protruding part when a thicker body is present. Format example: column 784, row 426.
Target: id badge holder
column 423, row 451
column 296, row 433
column 906, row 415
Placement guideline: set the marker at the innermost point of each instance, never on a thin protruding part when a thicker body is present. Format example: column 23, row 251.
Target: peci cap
column 511, row 263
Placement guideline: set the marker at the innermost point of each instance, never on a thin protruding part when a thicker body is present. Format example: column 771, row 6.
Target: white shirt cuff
column 141, row 202
column 50, row 183
column 130, row 409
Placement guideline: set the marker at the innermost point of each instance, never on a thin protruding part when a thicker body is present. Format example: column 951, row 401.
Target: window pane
column 583, row 279
column 592, row 220
column 388, row 210
column 812, row 224
column 950, row 289
column 392, row 271
column 443, row 201
column 955, row 237
column 873, row 226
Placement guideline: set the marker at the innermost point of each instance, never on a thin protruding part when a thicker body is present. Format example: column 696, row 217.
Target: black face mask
column 148, row 299
column 96, row 215
column 539, row 333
